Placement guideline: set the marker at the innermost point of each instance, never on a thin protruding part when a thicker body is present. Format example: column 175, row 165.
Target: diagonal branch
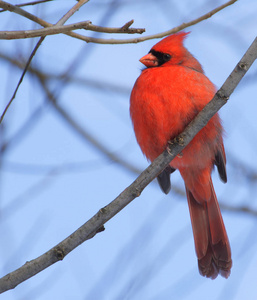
column 95, row 224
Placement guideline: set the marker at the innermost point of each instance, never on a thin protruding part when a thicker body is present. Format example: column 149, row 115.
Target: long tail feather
column 211, row 240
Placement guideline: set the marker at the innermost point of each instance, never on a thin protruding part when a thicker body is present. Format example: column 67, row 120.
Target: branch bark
column 95, row 224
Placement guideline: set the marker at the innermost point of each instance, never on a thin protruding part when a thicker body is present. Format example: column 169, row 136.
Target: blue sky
column 53, row 180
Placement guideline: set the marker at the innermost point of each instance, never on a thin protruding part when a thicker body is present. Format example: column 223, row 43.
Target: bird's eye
column 166, row 56
column 161, row 57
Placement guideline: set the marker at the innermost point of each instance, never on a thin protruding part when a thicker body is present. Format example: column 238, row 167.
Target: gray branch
column 95, row 224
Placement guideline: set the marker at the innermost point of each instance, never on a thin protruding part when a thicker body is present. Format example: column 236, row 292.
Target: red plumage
column 165, row 98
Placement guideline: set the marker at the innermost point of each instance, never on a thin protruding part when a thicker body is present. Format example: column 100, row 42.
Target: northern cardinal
column 168, row 94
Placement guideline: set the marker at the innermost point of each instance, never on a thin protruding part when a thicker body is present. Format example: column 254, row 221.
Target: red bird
column 168, row 94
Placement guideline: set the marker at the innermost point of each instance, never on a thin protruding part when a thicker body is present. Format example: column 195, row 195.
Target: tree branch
column 154, row 36
column 24, row 34
column 95, row 224
column 87, row 25
column 87, row 39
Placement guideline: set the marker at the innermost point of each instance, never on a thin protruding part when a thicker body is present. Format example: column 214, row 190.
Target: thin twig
column 60, row 22
column 92, row 226
column 21, row 78
column 29, row 4
column 87, row 25
column 24, row 34
column 153, row 36
column 71, row 12
column 126, row 26
column 15, row 9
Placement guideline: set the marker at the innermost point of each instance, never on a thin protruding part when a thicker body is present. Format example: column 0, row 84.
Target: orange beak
column 149, row 60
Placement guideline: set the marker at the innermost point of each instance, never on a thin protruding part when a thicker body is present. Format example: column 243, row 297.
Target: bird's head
column 171, row 51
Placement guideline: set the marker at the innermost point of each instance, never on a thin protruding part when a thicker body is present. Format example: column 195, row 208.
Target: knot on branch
column 221, row 95
column 242, row 65
column 86, row 24
column 136, row 193
column 103, row 210
column 100, row 229
column 59, row 253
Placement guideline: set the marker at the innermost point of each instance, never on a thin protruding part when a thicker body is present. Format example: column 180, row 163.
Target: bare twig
column 24, row 34
column 92, row 226
column 87, row 25
column 21, row 78
column 126, row 26
column 59, row 23
column 13, row 8
column 124, row 29
column 29, row 4
column 71, row 12
column 154, row 36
